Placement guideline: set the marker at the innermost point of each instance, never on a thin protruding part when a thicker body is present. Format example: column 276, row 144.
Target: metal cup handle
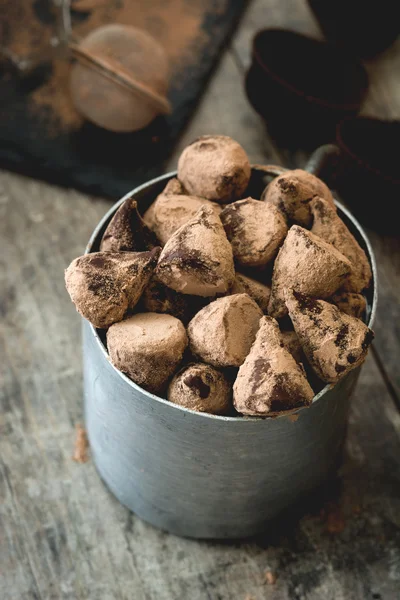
column 324, row 163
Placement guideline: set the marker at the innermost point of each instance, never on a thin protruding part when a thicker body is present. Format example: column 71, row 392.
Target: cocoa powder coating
column 330, row 227
column 334, row 342
column 270, row 381
column 255, row 229
column 292, row 193
column 215, row 167
column 354, row 305
column 222, row 332
column 169, row 212
column 127, row 232
column 307, row 264
column 147, row 347
column 202, row 388
column 198, row 258
column 173, row 187
column 104, row 285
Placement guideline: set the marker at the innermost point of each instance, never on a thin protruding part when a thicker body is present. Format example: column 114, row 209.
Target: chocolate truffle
column 309, row 265
column 270, row 381
column 354, row 305
column 259, row 292
column 169, row 212
column 222, row 332
column 159, row 298
column 201, row 387
column 292, row 193
column 148, row 216
column 173, row 187
column 330, row 227
column 292, row 344
column 255, row 229
column 127, row 232
column 198, row 258
column 333, row 342
column 215, row 167
column 147, row 347
column 104, row 285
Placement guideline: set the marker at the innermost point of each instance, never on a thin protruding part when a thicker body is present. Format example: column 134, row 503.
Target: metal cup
column 200, row 475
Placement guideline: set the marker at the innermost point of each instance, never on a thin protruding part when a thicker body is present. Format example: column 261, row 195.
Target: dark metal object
column 365, row 28
column 324, row 162
column 303, row 87
column 367, row 174
column 201, row 475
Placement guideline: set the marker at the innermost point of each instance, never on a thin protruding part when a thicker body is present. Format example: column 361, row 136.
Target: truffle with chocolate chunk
column 333, row 342
column 354, row 305
column 169, row 212
column 259, row 292
column 307, row 264
column 202, row 388
column 255, row 229
column 127, row 232
column 198, row 259
column 215, row 167
column 222, row 332
column 330, row 227
column 147, row 347
column 270, row 381
column 159, row 298
column 104, row 285
column 292, row 193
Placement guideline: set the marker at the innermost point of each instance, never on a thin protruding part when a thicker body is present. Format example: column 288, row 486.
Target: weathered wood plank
column 62, row 535
column 387, row 324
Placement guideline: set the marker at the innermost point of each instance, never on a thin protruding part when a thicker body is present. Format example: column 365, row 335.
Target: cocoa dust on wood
column 176, row 24
column 270, row 577
column 81, row 445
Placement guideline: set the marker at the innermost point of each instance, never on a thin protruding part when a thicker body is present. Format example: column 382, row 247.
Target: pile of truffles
column 224, row 303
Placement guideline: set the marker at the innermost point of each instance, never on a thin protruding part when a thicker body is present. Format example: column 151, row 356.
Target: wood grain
column 387, row 324
column 62, row 535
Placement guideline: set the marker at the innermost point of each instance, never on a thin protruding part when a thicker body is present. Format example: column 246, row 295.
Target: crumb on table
column 270, row 577
column 81, row 445
column 335, row 522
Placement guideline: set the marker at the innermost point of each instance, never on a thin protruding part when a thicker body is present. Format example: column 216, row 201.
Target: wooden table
column 62, row 534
